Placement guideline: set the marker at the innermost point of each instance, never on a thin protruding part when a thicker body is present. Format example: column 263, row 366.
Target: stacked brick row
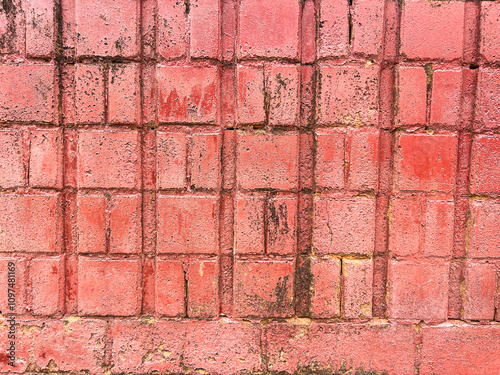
column 251, row 185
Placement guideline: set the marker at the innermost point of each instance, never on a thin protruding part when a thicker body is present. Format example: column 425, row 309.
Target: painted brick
column 282, row 226
column 89, row 96
column 171, row 29
column 325, row 288
column 12, row 23
column 249, row 224
column 108, row 287
column 267, row 161
column 121, row 152
column 344, row 225
column 123, row 94
column 348, row 95
column 283, row 85
column 468, row 354
column 485, row 164
column 480, row 288
column 204, row 18
column 426, row 162
column 171, row 153
column 250, row 95
column 263, row 288
column 490, row 13
column 412, row 95
column 330, row 158
column 367, row 27
column 203, row 289
column 418, row 291
column 334, row 31
column 483, row 224
column 91, row 222
column 12, row 166
column 363, row 158
column 46, row 158
column 205, row 168
column 432, row 31
column 488, row 102
column 188, row 94
column 47, row 284
column 187, row 224
column 28, row 93
column 170, row 288
column 31, row 223
column 40, row 28
column 107, row 28
column 357, row 277
column 125, row 224
column 269, row 29
column 446, row 94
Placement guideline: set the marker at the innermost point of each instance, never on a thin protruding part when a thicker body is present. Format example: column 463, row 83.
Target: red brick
column 263, row 288
column 171, row 153
column 12, row 166
column 269, row 29
column 462, row 349
column 490, row 14
column 344, row 225
column 432, row 31
column 426, row 162
column 12, row 33
column 483, row 226
column 107, row 28
column 46, row 158
column 27, row 93
column 330, row 158
column 40, row 28
column 367, row 27
column 250, row 95
column 282, row 225
column 325, row 288
column 480, row 288
column 357, row 292
column 411, row 96
column 485, row 164
column 147, row 346
column 267, row 161
column 109, row 287
column 421, row 226
column 362, row 144
column 333, row 38
column 31, row 223
column 123, row 94
column 125, row 224
column 348, row 95
column 187, row 224
column 205, row 168
column 120, row 150
column 171, row 29
column 342, row 347
column 203, row 289
column 91, row 222
column 224, row 347
column 73, row 344
column 283, row 85
column 170, row 288
column 418, row 290
column 188, row 94
column 249, row 224
column 47, row 284
column 488, row 100
column 446, row 94
column 89, row 95
column 204, row 18
column 19, row 268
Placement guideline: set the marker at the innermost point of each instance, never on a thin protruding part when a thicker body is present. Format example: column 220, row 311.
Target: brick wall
column 227, row 186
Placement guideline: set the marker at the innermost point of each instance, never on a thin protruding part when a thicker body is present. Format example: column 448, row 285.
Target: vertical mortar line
column 390, row 54
column 461, row 190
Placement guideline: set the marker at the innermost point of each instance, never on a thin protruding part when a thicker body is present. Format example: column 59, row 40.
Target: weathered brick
column 46, row 158
column 333, row 38
column 357, row 292
column 249, row 224
column 446, row 94
column 205, row 164
column 125, row 224
column 123, row 94
column 488, row 100
column 204, row 18
column 12, row 165
column 282, row 225
column 483, row 227
column 47, row 285
column 171, row 29
column 480, row 289
column 203, row 289
column 89, row 94
column 91, row 222
column 485, row 164
column 170, row 288
column 40, row 28
column 490, row 28
column 367, row 26
column 283, row 84
column 411, row 95
column 171, row 153
column 250, row 95
column 325, row 288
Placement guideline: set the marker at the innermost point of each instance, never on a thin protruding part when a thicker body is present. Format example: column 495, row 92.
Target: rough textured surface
column 250, row 186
